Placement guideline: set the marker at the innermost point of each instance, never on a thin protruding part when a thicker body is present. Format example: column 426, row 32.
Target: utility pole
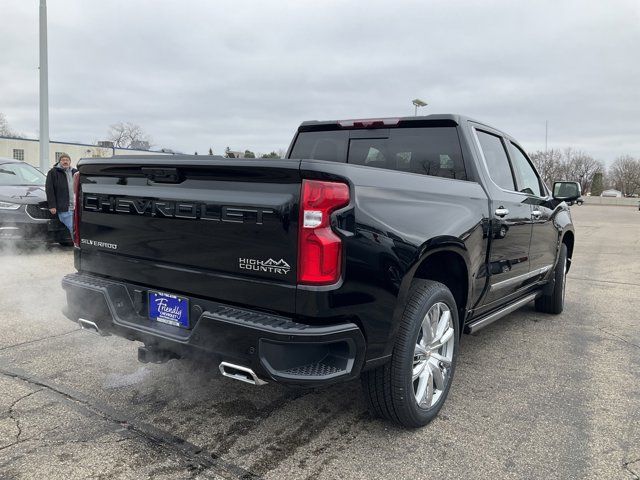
column 546, row 135
column 44, row 90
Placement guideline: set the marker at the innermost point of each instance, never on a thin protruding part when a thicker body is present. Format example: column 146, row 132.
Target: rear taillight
column 76, row 209
column 319, row 249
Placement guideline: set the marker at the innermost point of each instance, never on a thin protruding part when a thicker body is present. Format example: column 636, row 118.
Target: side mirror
column 567, row 191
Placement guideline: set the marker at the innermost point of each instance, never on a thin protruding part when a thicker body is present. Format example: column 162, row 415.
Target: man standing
column 59, row 187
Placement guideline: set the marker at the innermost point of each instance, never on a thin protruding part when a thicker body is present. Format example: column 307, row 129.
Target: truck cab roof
column 449, row 119
column 434, row 120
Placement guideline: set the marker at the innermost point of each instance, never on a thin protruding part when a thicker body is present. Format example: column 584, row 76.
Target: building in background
column 233, row 154
column 28, row 150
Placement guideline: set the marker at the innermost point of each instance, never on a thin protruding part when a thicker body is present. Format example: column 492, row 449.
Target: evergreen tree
column 597, row 184
column 210, row 151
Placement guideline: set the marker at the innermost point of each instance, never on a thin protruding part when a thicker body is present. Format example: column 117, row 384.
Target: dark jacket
column 57, row 189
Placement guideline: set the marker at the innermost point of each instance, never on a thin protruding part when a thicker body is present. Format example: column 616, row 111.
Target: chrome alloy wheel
column 433, row 355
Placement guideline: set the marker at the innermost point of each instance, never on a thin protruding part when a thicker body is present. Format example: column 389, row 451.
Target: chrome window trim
column 535, row 172
column 486, row 165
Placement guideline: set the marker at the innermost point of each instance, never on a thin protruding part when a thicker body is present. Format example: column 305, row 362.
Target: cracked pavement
column 535, row 396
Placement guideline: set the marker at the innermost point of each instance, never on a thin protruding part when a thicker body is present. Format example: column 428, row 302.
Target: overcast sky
column 244, row 74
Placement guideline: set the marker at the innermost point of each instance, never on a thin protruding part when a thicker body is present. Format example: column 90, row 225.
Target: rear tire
column 552, row 299
column 412, row 387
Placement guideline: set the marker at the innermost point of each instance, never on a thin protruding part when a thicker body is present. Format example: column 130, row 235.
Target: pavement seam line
column 625, row 465
column 29, row 342
column 622, row 339
column 585, row 279
column 150, row 433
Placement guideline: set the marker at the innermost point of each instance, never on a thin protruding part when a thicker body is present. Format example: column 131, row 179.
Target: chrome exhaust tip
column 90, row 326
column 238, row 372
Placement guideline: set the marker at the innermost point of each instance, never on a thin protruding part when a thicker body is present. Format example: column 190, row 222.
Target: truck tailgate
column 216, row 228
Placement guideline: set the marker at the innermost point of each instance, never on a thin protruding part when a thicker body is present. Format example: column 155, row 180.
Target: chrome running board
column 492, row 317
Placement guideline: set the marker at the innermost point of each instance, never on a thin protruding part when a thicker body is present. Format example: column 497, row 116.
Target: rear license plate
column 169, row 308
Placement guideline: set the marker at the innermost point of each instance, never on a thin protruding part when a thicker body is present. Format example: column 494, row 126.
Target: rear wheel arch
column 449, row 251
column 449, row 267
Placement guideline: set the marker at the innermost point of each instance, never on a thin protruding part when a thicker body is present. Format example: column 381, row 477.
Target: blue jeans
column 67, row 219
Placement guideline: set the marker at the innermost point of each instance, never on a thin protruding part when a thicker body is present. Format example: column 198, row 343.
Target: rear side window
column 427, row 151
column 330, row 145
column 497, row 160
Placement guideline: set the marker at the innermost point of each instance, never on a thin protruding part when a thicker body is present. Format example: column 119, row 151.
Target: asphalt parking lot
column 535, row 396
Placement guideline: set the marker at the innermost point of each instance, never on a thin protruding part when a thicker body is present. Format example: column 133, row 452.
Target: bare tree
column 581, row 167
column 625, row 174
column 555, row 165
column 607, row 179
column 549, row 165
column 101, row 152
column 129, row 135
column 5, row 128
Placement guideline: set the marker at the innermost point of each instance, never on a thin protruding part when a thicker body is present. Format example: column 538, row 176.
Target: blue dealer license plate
column 169, row 308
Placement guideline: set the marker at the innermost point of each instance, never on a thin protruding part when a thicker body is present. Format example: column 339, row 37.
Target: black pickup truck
column 367, row 252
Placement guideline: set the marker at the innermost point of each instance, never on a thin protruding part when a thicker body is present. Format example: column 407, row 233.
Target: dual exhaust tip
column 90, row 326
column 235, row 372
column 240, row 373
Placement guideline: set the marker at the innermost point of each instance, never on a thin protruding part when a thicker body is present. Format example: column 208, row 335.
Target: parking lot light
column 418, row 103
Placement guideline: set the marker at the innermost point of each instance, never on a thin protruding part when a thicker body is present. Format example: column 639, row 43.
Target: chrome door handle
column 536, row 214
column 502, row 212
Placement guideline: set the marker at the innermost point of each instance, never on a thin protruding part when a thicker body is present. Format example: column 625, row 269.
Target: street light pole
column 418, row 103
column 44, row 90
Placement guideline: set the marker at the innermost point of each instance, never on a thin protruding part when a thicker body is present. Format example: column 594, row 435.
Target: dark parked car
column 24, row 214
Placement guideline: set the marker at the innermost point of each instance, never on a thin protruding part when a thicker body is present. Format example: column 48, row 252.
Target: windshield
column 20, row 174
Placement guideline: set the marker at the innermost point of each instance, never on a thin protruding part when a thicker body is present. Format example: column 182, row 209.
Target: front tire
column 552, row 299
column 412, row 387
